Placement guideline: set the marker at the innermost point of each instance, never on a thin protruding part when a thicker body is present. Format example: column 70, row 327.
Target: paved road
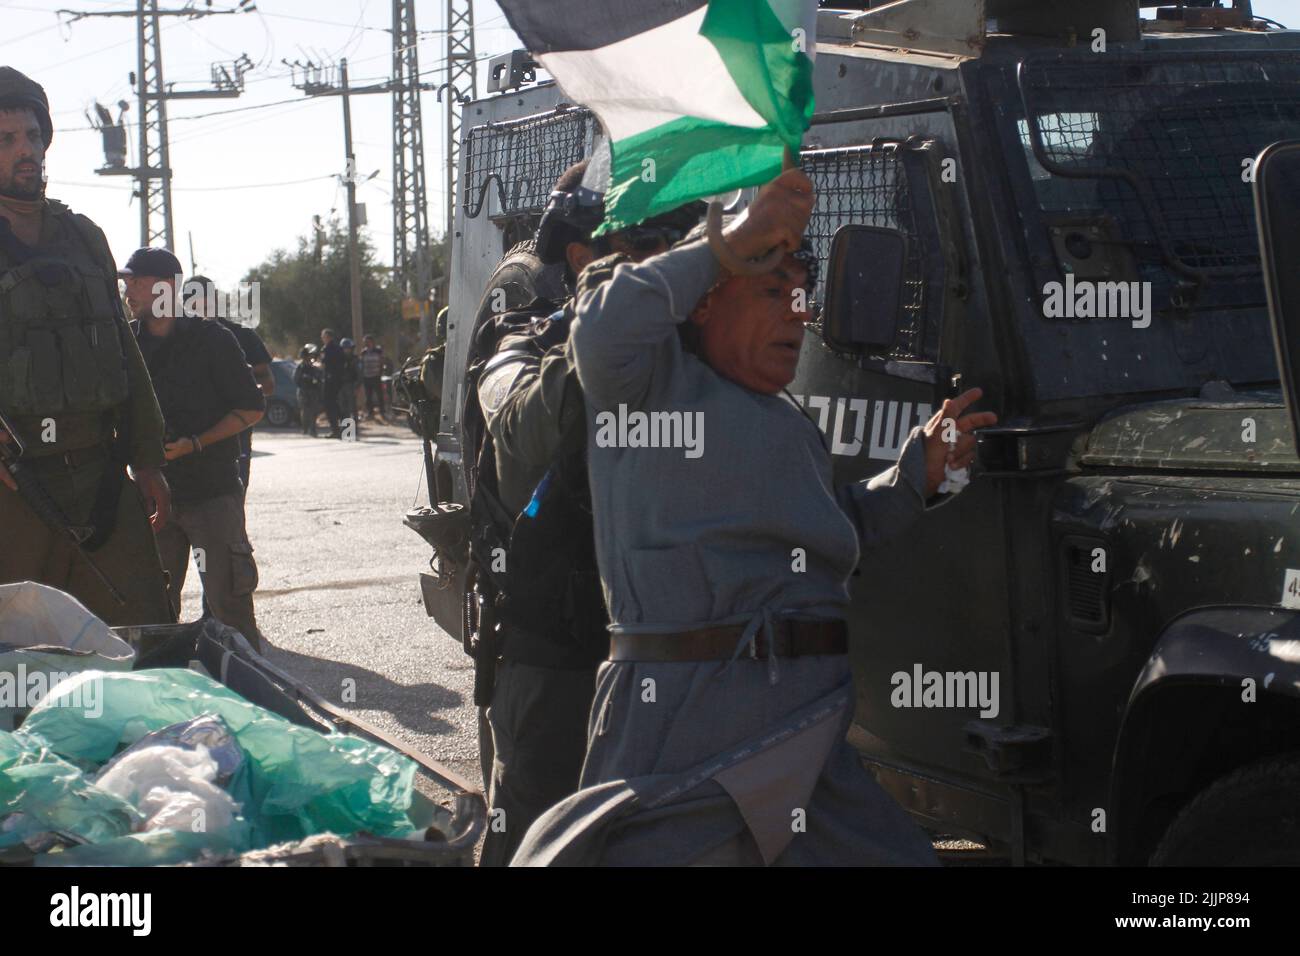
column 339, row 596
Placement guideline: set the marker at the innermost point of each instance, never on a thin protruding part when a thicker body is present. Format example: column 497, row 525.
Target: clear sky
column 222, row 164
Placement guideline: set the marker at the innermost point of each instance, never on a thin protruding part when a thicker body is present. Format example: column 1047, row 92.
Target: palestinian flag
column 697, row 97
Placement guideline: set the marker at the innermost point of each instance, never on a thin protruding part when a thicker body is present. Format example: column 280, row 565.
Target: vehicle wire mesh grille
column 522, row 159
column 1159, row 144
column 867, row 185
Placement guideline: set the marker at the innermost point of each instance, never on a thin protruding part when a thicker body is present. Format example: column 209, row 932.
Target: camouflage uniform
column 75, row 387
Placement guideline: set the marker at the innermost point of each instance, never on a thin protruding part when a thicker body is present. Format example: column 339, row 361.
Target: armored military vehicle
column 1092, row 654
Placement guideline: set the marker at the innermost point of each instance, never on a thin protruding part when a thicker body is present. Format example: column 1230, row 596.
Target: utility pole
column 152, row 94
column 412, row 258
column 354, row 255
column 317, row 80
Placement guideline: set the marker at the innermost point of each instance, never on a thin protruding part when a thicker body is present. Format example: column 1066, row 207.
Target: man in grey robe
column 717, row 734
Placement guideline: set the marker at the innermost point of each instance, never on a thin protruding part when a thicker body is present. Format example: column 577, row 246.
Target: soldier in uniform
column 552, row 636
column 73, row 385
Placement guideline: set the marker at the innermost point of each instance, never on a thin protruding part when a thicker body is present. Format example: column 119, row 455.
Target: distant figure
column 372, row 371
column 331, row 360
column 307, row 378
column 349, row 380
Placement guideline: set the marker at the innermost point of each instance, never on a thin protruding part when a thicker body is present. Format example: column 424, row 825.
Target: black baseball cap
column 158, row 263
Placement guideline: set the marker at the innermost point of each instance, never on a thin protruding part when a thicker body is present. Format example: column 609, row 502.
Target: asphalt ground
column 338, row 598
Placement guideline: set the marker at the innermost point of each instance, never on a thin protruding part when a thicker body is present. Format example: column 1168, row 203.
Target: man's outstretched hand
column 952, row 422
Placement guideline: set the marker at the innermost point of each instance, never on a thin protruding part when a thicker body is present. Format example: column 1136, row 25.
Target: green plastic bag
column 298, row 782
column 41, row 793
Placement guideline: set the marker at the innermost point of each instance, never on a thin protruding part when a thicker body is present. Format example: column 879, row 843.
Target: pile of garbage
column 166, row 765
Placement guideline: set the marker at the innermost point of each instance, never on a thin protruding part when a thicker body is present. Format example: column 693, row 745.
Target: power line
column 205, row 189
column 177, row 119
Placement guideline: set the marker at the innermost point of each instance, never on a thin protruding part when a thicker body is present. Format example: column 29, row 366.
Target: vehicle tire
column 1247, row 818
column 279, row 413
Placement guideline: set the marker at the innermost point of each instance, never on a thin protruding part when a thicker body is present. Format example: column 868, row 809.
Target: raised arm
column 625, row 331
column 628, row 326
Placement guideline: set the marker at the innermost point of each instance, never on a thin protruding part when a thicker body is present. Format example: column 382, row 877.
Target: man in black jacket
column 208, row 396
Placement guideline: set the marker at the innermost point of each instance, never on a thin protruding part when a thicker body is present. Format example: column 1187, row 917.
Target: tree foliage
column 308, row 289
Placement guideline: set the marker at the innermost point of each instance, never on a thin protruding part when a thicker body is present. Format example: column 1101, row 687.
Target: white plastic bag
column 173, row 787
column 45, row 636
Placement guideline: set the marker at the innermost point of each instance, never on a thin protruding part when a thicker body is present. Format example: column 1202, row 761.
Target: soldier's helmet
column 347, row 344
column 18, row 91
column 572, row 214
column 307, row 351
column 577, row 206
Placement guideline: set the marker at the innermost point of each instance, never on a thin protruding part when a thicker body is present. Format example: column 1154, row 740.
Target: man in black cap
column 75, row 390
column 208, row 396
column 201, row 299
column 531, row 463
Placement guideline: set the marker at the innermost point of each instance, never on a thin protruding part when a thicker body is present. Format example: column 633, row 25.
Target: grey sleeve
column 884, row 506
column 621, row 330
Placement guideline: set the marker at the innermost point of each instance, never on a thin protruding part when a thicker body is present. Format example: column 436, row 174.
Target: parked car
column 282, row 407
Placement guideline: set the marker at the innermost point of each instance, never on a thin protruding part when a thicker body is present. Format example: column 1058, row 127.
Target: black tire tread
column 1255, row 802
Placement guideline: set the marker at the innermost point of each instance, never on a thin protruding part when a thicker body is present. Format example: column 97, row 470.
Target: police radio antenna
column 153, row 172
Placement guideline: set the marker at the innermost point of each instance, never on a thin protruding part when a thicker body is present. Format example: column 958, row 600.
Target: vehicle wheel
column 1247, row 818
column 279, row 414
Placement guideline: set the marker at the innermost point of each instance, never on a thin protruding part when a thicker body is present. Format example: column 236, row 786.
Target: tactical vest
column 60, row 345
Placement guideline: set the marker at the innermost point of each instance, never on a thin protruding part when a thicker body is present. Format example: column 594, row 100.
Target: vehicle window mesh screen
column 518, row 161
column 867, row 185
column 1159, row 145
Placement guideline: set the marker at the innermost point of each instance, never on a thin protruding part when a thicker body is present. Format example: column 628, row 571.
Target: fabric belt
column 68, row 459
column 790, row 638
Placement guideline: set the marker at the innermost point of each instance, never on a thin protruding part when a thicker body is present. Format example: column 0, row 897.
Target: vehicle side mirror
column 1277, row 211
column 864, row 287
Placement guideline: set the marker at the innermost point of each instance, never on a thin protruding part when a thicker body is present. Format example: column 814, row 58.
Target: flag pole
column 726, row 256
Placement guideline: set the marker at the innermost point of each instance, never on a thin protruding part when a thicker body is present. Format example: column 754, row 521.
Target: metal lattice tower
column 462, row 87
column 155, row 201
column 412, row 266
column 152, row 94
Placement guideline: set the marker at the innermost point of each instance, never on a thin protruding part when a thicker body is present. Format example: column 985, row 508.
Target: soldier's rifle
column 43, row 504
